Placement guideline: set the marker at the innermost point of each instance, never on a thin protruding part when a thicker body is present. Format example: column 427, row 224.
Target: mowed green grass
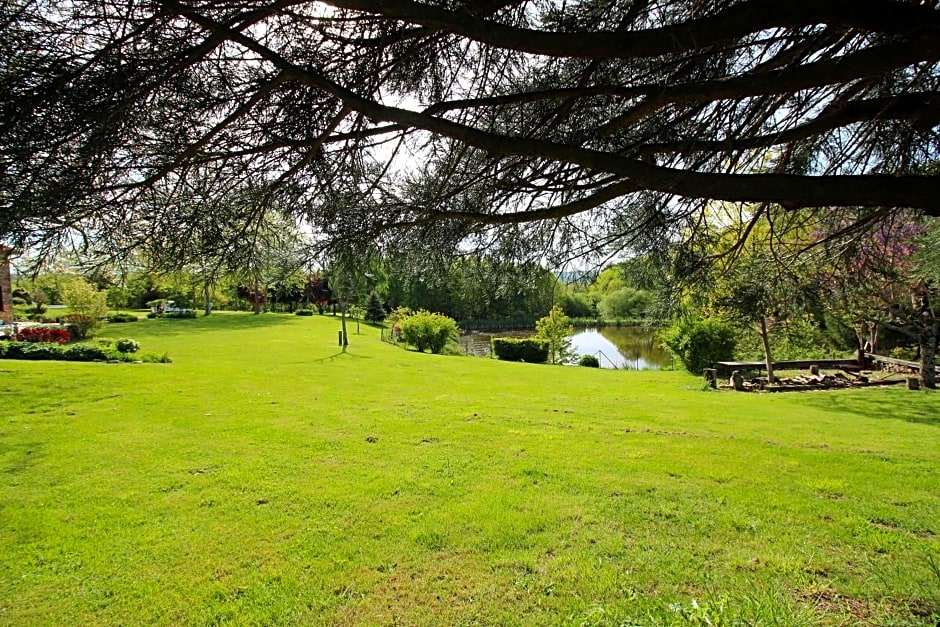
column 264, row 478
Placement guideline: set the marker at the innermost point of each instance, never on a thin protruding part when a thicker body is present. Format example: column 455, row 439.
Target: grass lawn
column 265, row 478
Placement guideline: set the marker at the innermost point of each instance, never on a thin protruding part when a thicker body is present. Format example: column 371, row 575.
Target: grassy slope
column 239, row 484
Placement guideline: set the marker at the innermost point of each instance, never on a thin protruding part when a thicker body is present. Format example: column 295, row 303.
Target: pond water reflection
column 635, row 348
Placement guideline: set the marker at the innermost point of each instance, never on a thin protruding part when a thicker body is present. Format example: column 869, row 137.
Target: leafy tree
column 699, row 343
column 475, row 286
column 625, row 303
column 577, row 304
column 625, row 115
column 610, row 280
column 883, row 280
column 556, row 329
column 757, row 292
column 87, row 305
column 317, row 291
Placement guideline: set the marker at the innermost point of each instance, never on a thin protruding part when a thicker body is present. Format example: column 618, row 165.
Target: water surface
column 636, row 348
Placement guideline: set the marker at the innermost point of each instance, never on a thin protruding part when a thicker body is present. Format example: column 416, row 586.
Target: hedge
column 37, row 351
column 528, row 349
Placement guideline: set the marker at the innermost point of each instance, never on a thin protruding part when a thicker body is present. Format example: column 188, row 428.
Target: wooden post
column 814, row 370
column 913, row 383
column 737, row 381
column 711, row 377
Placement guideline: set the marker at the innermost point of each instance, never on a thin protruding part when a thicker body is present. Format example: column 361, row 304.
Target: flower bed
column 52, row 335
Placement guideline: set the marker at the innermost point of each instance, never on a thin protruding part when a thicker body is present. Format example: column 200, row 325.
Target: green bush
column 101, row 351
column 152, row 314
column 80, row 325
column 85, row 352
column 127, row 345
column 122, row 317
column 699, row 344
column 303, row 312
column 30, row 350
column 528, row 349
column 424, row 329
column 186, row 313
column 150, row 358
column 19, row 301
column 589, row 361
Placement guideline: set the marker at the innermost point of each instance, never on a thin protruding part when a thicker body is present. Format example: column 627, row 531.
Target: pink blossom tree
column 876, row 281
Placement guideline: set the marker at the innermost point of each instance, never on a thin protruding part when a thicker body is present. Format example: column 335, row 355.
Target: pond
column 634, row 348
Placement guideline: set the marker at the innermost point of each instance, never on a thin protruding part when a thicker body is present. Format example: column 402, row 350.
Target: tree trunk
column 928, row 356
column 257, row 301
column 207, row 298
column 768, row 359
column 342, row 318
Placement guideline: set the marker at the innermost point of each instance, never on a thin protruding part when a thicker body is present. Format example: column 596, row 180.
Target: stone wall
column 6, row 285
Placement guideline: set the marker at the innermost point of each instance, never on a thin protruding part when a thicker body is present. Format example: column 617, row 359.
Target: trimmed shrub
column 29, row 350
column 19, row 301
column 424, row 329
column 589, row 361
column 699, row 344
column 303, row 312
column 186, row 313
column 102, row 351
column 152, row 314
column 122, row 317
column 528, row 349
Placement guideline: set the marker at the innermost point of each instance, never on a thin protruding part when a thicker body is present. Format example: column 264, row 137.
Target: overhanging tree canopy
column 607, row 119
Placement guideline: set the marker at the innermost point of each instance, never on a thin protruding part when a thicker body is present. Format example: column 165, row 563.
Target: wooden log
column 814, row 369
column 737, row 381
column 913, row 383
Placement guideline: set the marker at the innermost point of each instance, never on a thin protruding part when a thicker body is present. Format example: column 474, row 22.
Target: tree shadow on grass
column 216, row 322
column 338, row 355
column 917, row 407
